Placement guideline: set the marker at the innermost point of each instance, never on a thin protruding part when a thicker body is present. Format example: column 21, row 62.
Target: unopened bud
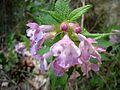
column 77, row 29
column 64, row 26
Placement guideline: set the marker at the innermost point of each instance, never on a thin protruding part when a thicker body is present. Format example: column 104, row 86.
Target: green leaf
column 93, row 60
column 43, row 49
column 104, row 43
column 75, row 14
column 96, row 36
column 48, row 42
column 63, row 79
column 53, row 79
column 96, row 81
column 26, row 41
column 58, row 37
column 8, row 66
column 61, row 12
column 62, row 8
column 54, row 15
column 46, row 19
column 58, row 81
column 84, row 31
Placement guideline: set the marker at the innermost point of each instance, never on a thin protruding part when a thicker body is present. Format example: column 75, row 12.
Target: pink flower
column 43, row 62
column 38, row 35
column 88, row 52
column 67, row 55
column 20, row 48
column 88, row 66
column 100, row 49
column 87, row 48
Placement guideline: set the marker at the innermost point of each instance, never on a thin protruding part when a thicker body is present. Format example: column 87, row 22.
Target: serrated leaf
column 96, row 36
column 53, row 14
column 75, row 14
column 62, row 8
column 46, row 19
column 56, row 16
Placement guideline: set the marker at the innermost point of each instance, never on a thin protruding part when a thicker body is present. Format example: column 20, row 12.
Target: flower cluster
column 65, row 52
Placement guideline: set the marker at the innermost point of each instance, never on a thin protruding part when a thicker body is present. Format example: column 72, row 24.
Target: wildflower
column 87, row 47
column 37, row 35
column 67, row 55
column 88, row 52
column 87, row 66
column 20, row 48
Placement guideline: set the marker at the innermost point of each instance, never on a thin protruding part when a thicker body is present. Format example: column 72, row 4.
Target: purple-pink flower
column 88, row 52
column 20, row 48
column 65, row 52
column 43, row 62
column 87, row 48
column 37, row 35
column 67, row 55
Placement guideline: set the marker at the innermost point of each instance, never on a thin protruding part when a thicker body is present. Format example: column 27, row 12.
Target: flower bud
column 64, row 26
column 77, row 29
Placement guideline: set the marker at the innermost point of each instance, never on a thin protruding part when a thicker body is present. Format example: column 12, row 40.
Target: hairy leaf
column 62, row 8
column 75, row 14
column 96, row 36
column 46, row 19
column 54, row 15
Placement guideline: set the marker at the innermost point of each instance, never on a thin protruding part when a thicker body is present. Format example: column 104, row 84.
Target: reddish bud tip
column 77, row 29
column 64, row 26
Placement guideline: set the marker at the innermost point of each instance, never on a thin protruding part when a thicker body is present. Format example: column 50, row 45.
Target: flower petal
column 46, row 28
column 95, row 67
column 33, row 25
column 59, row 71
column 56, row 49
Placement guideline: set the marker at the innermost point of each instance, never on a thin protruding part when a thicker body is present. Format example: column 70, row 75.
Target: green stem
column 82, row 20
